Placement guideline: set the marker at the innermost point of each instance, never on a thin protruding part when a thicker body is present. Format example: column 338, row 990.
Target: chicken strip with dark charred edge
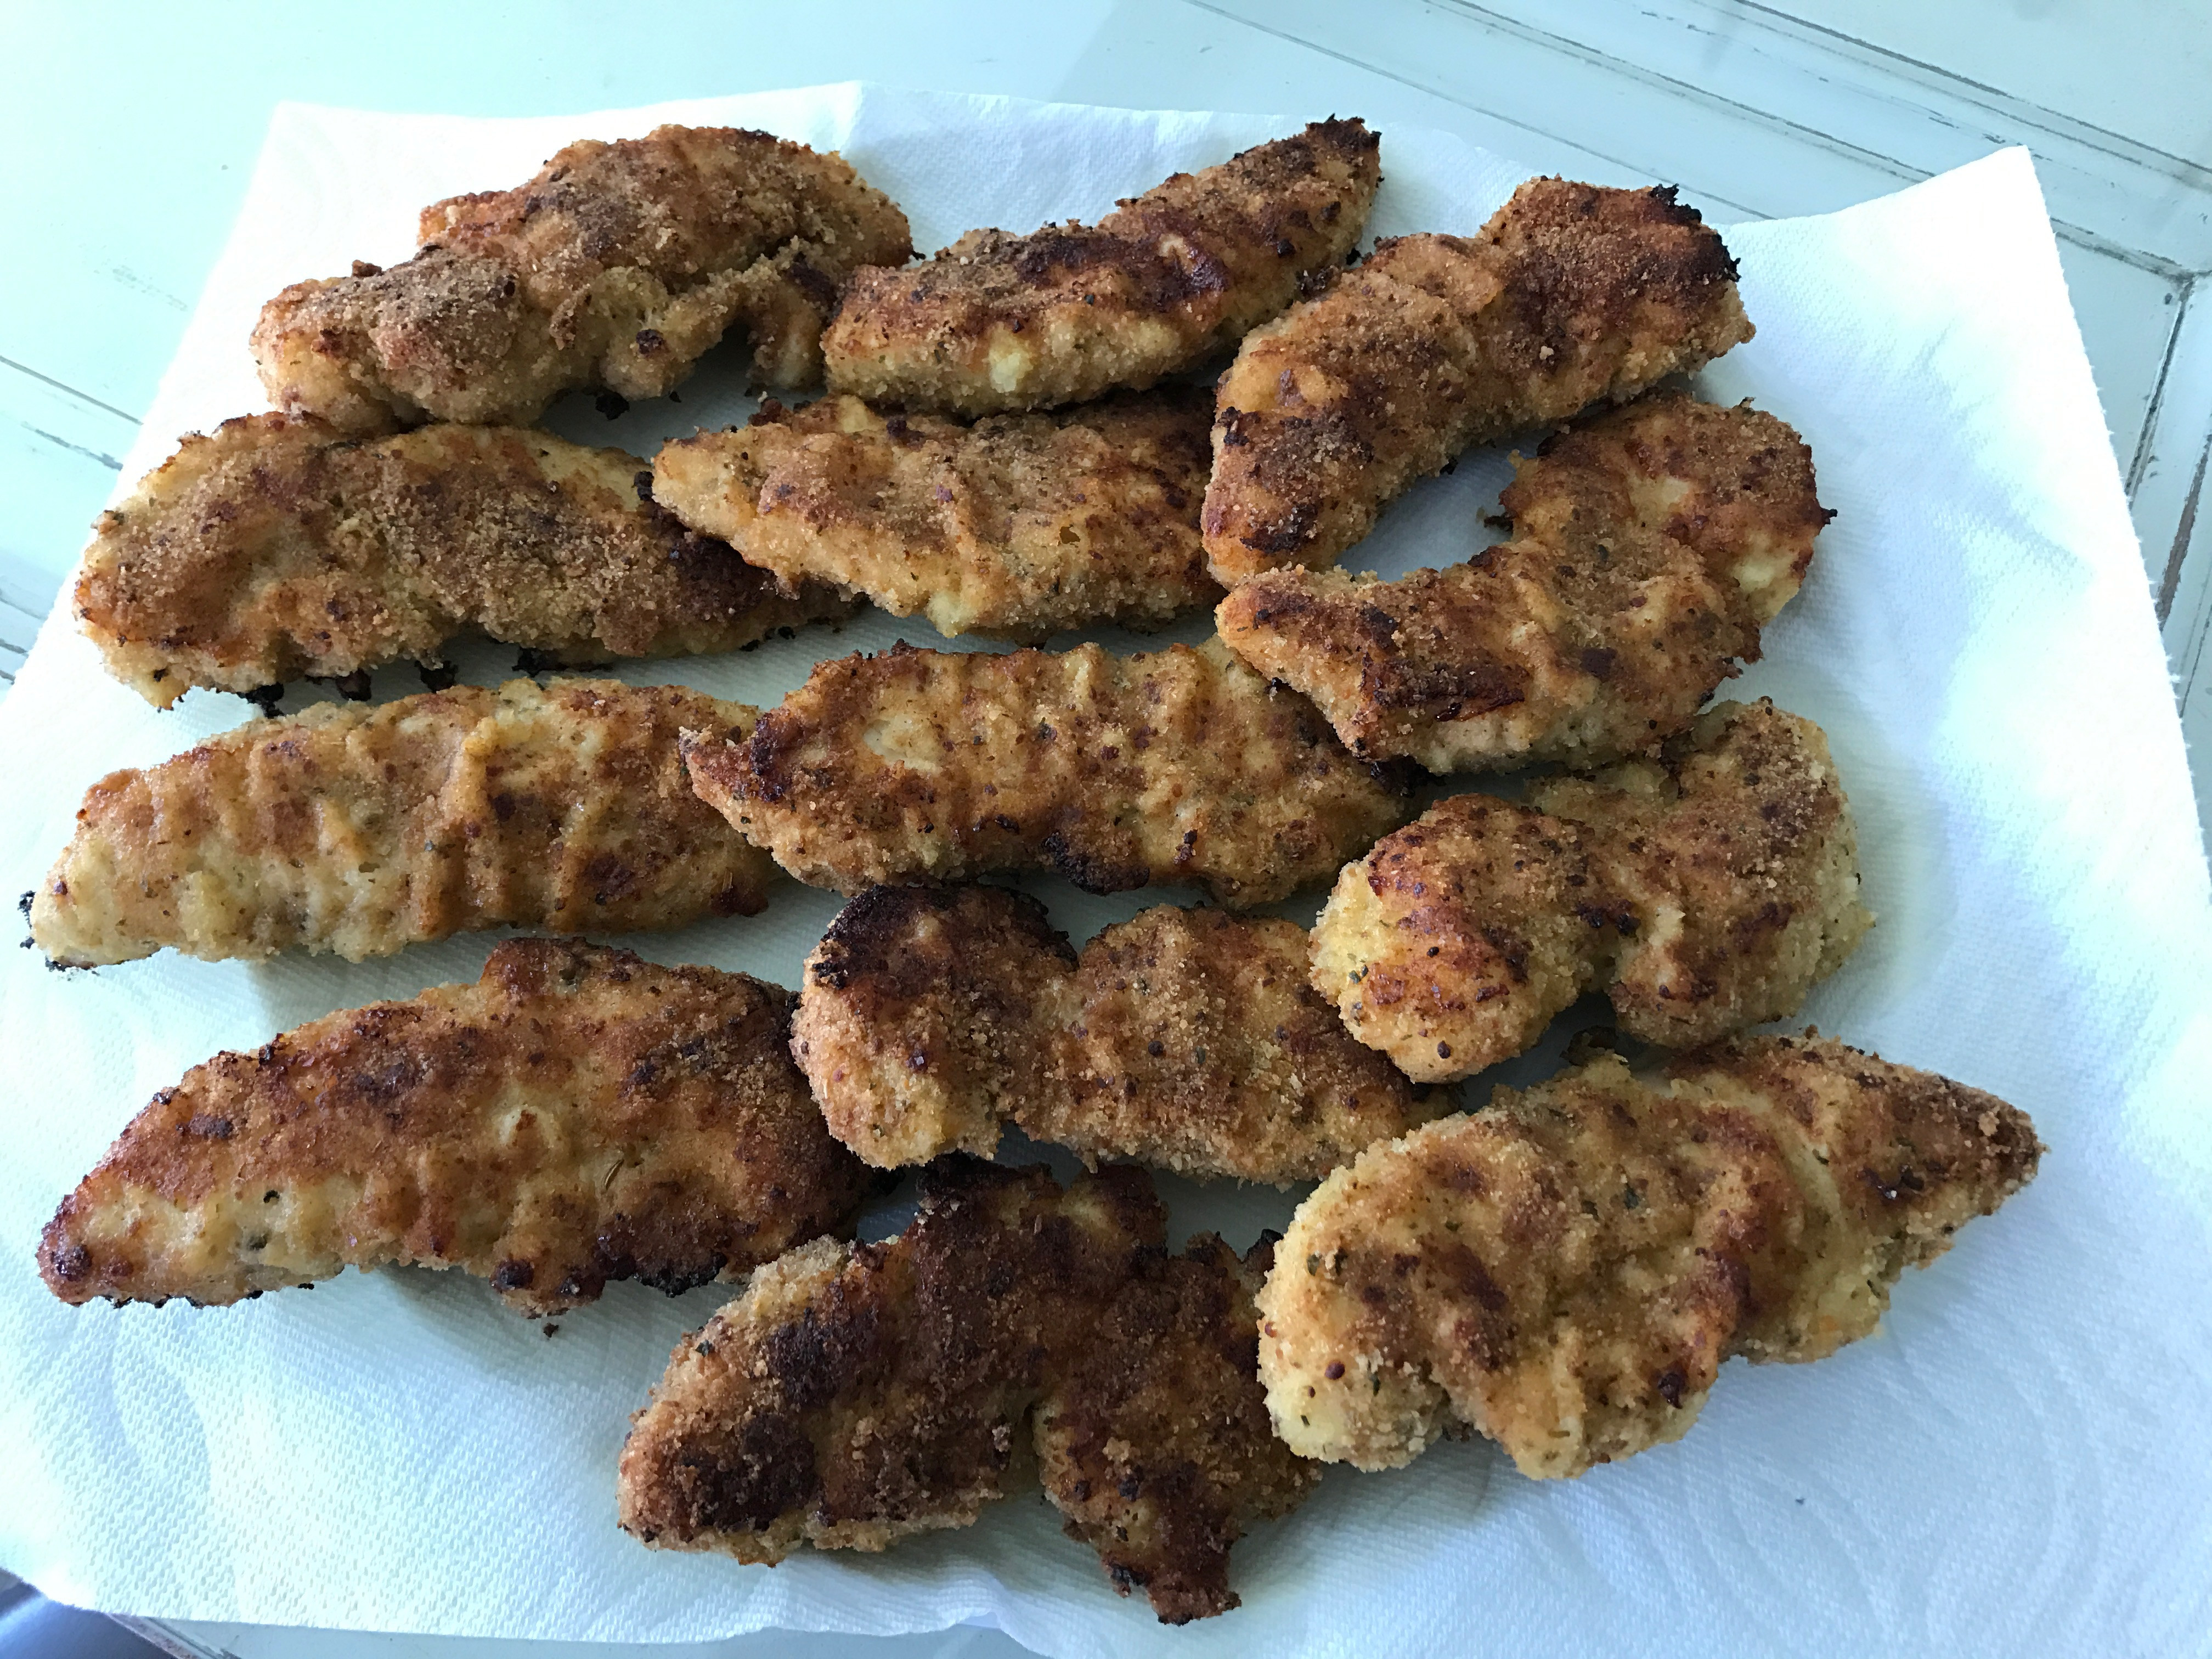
column 614, row 268
column 278, row 548
column 1174, row 766
column 362, row 830
column 1020, row 526
column 1650, row 546
column 1565, row 1271
column 1706, row 891
column 998, row 322
column 1185, row 1039
column 856, row 1394
column 576, row 1115
column 1571, row 295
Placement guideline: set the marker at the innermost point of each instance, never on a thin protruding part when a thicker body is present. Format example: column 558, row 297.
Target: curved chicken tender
column 577, row 1114
column 1020, row 526
column 1650, row 544
column 616, row 267
column 1566, row 1271
column 854, row 1395
column 1707, row 891
column 1571, row 295
column 1186, row 1039
column 998, row 322
column 363, row 830
column 1176, row 766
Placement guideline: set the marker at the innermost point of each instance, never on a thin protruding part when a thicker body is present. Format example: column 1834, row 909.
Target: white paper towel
column 2019, row 1461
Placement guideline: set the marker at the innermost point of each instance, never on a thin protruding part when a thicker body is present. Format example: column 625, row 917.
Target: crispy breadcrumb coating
column 856, row 1394
column 614, row 268
column 361, row 830
column 576, row 1115
column 1649, row 545
column 998, row 322
column 1018, row 526
column 1566, row 1271
column 1174, row 766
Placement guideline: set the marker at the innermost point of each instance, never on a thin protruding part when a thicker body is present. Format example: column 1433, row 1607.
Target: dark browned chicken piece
column 577, row 1114
column 1571, row 295
column 614, row 268
column 998, row 322
column 1566, row 1272
column 856, row 1394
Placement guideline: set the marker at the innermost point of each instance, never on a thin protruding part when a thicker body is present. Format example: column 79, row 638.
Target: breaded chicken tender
column 614, row 268
column 1020, row 526
column 1571, row 295
column 1174, row 766
column 856, row 1394
column 1649, row 546
column 276, row 548
column 1706, row 891
column 362, row 830
column 997, row 322
column 576, row 1115
column 1186, row 1039
column 1566, row 1272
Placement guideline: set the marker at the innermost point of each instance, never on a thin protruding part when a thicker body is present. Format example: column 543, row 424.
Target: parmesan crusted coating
column 1176, row 766
column 1021, row 526
column 1571, row 295
column 1651, row 543
column 614, row 268
column 362, row 830
column 998, row 322
column 1566, row 1271
column 576, row 1115
column 1185, row 1039
column 856, row 1394
column 1706, row 891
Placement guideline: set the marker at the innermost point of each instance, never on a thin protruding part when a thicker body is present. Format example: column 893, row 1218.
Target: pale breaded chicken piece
column 1651, row 543
column 1189, row 1039
column 614, row 268
column 1174, row 766
column 1571, row 295
column 1706, row 891
column 998, row 322
column 856, row 1394
column 1566, row 1272
column 362, row 830
column 276, row 548
column 576, row 1115
column 1018, row 526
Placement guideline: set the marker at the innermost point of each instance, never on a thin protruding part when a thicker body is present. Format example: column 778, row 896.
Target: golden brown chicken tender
column 1174, row 766
column 1706, row 891
column 1649, row 545
column 363, row 830
column 1020, row 526
column 614, row 268
column 1566, row 1271
column 854, row 1395
column 577, row 1114
column 998, row 322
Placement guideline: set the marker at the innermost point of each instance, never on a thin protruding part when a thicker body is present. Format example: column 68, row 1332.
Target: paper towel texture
column 2020, row 1459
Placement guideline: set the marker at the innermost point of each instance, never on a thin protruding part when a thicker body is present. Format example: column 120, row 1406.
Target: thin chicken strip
column 854, row 1395
column 1566, row 1272
column 1571, row 295
column 362, row 830
column 1650, row 544
column 997, row 322
column 614, row 268
column 1176, row 766
column 1020, row 526
column 576, row 1115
